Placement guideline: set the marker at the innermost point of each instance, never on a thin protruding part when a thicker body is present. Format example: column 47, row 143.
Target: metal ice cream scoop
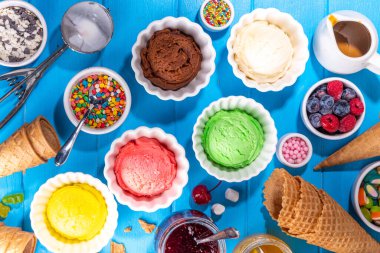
column 86, row 27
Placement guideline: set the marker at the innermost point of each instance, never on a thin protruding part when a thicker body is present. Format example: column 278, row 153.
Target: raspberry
column 356, row 106
column 335, row 89
column 330, row 123
column 347, row 123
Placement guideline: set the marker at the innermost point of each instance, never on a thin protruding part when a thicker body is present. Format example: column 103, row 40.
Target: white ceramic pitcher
column 332, row 58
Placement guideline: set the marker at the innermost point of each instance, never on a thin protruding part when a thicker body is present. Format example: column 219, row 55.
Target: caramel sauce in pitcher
column 353, row 38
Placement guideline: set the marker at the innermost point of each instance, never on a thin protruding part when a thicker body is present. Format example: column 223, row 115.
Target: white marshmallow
column 232, row 195
column 218, row 209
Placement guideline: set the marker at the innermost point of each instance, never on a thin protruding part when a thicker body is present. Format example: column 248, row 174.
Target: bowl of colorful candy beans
column 365, row 195
column 106, row 84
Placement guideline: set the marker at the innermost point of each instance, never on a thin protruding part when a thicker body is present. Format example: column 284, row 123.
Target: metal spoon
column 65, row 150
column 228, row 233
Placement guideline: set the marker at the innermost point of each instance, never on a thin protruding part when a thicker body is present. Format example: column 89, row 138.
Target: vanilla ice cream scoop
column 263, row 51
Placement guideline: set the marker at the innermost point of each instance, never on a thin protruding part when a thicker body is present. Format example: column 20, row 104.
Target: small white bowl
column 214, row 28
column 38, row 215
column 282, row 159
column 297, row 37
column 28, row 6
column 257, row 111
column 355, row 194
column 202, row 39
column 156, row 202
column 90, row 71
column 306, row 120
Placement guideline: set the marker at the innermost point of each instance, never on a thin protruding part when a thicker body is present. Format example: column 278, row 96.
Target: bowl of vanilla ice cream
column 268, row 49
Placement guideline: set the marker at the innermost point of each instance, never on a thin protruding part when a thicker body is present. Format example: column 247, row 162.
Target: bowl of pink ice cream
column 146, row 169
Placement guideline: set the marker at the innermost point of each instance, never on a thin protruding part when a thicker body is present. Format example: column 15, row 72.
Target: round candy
column 102, row 115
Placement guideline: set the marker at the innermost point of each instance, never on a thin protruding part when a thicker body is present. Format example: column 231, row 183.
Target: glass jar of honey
column 262, row 243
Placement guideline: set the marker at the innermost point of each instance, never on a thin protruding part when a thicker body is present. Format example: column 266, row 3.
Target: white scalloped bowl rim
column 202, row 39
column 163, row 200
column 270, row 134
column 297, row 36
column 34, row 10
column 38, row 210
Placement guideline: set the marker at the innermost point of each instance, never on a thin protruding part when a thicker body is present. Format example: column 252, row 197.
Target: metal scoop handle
column 227, row 233
column 34, row 74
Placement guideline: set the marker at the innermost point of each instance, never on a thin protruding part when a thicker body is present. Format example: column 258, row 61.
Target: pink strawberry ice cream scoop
column 145, row 167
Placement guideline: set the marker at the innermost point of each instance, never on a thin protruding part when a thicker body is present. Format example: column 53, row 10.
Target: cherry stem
column 216, row 186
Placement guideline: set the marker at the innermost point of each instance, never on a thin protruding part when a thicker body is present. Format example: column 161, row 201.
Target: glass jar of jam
column 262, row 243
column 177, row 234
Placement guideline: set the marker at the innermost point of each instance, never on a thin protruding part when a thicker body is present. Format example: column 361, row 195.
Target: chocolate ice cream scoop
column 171, row 59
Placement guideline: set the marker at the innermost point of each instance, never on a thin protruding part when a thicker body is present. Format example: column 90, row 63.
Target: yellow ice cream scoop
column 76, row 211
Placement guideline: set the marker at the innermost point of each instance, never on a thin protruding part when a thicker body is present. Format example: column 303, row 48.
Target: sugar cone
column 13, row 240
column 6, row 235
column 366, row 145
column 281, row 194
column 307, row 210
column 337, row 231
column 43, row 138
column 17, row 154
column 22, row 242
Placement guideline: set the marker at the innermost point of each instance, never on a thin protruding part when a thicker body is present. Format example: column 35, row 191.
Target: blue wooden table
column 178, row 118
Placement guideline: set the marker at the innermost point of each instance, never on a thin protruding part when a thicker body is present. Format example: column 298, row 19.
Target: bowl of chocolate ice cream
column 173, row 58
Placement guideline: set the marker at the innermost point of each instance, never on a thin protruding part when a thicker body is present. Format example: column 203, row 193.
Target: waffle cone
column 281, row 196
column 17, row 154
column 337, row 231
column 322, row 222
column 307, row 210
column 43, row 138
column 366, row 145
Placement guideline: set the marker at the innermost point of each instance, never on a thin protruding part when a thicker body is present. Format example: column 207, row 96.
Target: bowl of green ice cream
column 234, row 139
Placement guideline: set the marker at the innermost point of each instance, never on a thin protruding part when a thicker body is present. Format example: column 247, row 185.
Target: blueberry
column 341, row 108
column 327, row 103
column 321, row 91
column 313, row 105
column 315, row 120
column 348, row 94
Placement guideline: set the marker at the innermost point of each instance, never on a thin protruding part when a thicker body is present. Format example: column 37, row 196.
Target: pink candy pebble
column 286, row 156
column 295, row 152
column 303, row 156
column 299, row 161
column 306, row 149
column 291, row 161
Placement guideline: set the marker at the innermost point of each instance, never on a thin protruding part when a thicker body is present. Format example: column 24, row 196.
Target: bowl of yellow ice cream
column 74, row 212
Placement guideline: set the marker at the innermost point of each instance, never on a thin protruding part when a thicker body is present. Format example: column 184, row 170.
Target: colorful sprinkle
column 103, row 115
column 217, row 13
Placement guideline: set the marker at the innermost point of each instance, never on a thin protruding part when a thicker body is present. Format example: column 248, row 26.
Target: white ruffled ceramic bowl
column 92, row 71
column 38, row 215
column 297, row 37
column 304, row 114
column 257, row 111
column 355, row 193
column 202, row 39
column 31, row 8
column 154, row 203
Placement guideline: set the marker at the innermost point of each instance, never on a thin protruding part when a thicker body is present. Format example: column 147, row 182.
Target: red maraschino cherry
column 202, row 195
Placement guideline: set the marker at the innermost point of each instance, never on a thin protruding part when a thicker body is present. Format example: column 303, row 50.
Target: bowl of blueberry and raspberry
column 333, row 108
